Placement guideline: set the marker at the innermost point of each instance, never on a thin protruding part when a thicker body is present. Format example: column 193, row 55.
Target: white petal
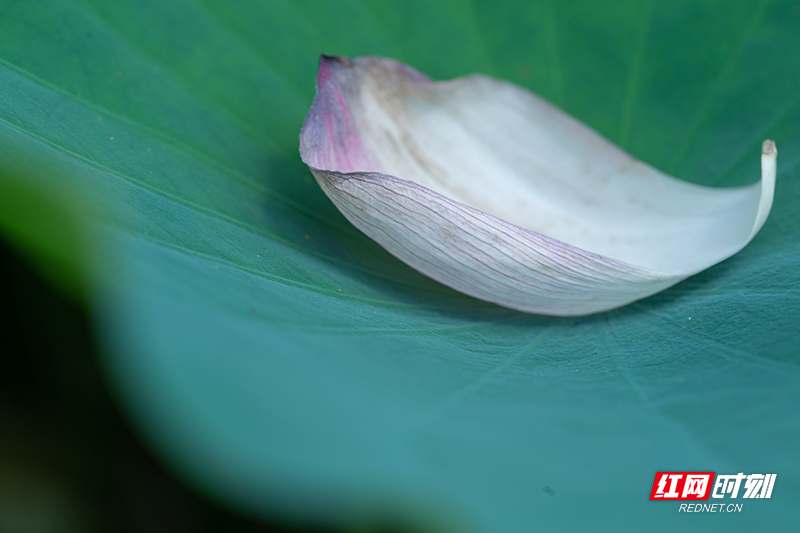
column 489, row 189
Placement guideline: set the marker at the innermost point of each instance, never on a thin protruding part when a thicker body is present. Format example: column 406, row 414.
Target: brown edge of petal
column 768, row 147
column 337, row 59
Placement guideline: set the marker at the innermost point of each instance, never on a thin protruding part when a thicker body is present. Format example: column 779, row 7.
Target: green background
column 282, row 363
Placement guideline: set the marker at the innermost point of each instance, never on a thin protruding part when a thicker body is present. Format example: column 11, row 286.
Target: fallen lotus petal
column 487, row 188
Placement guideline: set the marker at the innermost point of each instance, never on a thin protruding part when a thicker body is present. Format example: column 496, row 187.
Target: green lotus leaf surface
column 287, row 365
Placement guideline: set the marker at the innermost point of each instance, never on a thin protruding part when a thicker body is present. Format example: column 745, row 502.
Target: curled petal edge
column 371, row 123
